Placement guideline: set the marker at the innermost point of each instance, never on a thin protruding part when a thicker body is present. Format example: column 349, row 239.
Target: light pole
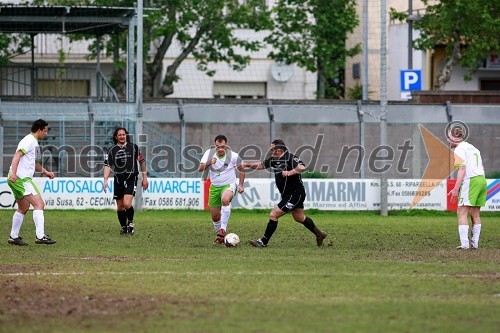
column 410, row 34
column 139, row 89
column 383, row 101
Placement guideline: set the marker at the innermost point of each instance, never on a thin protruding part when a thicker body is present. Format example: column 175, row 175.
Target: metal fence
column 328, row 137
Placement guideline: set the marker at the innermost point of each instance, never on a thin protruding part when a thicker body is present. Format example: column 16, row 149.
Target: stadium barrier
column 192, row 193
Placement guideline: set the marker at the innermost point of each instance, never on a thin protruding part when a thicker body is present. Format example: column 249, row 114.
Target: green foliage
column 12, row 45
column 374, row 274
column 493, row 175
column 204, row 29
column 355, row 92
column 312, row 34
column 472, row 24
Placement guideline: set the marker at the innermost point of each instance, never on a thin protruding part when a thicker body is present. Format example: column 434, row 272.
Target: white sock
column 217, row 225
column 17, row 222
column 476, row 231
column 224, row 216
column 39, row 223
column 463, row 231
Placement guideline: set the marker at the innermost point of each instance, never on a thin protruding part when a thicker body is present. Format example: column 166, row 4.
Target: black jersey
column 124, row 160
column 286, row 185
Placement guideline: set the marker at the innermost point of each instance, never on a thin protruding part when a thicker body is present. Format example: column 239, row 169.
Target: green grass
column 399, row 273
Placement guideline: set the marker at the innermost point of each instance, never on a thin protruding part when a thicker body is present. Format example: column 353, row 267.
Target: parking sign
column 411, row 80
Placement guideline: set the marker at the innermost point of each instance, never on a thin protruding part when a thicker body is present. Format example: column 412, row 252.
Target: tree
column 468, row 29
column 12, row 45
column 312, row 34
column 202, row 29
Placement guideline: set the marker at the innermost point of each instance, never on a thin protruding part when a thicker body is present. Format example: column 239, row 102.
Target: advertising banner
column 88, row 193
column 347, row 194
column 192, row 193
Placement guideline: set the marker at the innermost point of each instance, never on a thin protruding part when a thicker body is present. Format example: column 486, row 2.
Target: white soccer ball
column 231, row 240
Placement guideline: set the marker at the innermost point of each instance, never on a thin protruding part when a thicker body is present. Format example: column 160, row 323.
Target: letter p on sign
column 411, row 80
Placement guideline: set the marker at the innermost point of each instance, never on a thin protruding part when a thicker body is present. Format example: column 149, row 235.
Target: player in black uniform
column 287, row 169
column 124, row 158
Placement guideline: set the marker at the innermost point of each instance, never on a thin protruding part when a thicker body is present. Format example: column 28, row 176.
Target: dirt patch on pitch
column 32, row 299
column 13, row 269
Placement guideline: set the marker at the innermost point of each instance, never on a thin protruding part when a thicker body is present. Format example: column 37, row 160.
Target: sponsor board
column 400, row 194
column 189, row 193
column 492, row 196
column 173, row 193
column 348, row 194
column 88, row 193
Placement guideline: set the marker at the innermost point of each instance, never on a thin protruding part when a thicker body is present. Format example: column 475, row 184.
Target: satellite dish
column 281, row 72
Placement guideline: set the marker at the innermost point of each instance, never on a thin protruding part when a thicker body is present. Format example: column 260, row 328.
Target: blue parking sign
column 411, row 80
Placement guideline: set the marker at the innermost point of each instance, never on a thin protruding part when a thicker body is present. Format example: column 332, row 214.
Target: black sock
column 270, row 229
column 122, row 217
column 309, row 224
column 130, row 214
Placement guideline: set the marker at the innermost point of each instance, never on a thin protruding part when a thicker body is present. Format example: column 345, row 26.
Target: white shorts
column 23, row 187
column 473, row 192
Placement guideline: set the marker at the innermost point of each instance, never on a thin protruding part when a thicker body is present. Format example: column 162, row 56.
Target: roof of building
column 64, row 19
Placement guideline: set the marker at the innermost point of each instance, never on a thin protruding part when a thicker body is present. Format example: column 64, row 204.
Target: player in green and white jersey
column 470, row 189
column 25, row 162
column 222, row 163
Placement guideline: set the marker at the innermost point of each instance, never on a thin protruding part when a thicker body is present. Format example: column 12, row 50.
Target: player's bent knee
column 274, row 216
column 39, row 206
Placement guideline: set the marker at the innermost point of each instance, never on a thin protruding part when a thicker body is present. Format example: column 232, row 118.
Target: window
column 63, row 88
column 490, row 85
column 239, row 90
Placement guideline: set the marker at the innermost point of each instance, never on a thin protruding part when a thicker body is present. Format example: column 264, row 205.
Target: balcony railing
column 62, row 82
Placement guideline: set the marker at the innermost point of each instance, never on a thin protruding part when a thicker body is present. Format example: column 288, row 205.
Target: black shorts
column 290, row 202
column 124, row 184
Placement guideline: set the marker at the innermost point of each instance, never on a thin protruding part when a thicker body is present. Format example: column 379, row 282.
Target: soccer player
column 470, row 189
column 124, row 158
column 221, row 164
column 25, row 162
column 287, row 169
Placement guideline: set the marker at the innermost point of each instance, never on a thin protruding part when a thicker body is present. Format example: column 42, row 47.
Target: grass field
column 395, row 274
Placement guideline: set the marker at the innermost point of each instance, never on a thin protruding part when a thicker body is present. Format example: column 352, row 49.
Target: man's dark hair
column 279, row 144
column 115, row 140
column 39, row 124
column 220, row 137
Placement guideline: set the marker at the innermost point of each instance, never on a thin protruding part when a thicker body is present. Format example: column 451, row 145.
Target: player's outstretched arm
column 253, row 165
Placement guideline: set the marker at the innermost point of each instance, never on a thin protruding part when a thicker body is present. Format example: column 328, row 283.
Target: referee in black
column 124, row 158
column 287, row 169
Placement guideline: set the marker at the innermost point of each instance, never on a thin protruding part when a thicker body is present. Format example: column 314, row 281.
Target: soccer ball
column 231, row 240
